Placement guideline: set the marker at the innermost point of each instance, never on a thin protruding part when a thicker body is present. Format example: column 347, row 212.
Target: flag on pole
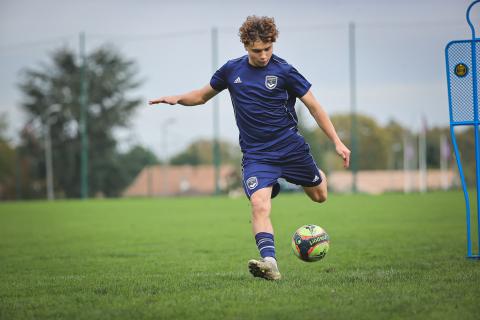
column 408, row 157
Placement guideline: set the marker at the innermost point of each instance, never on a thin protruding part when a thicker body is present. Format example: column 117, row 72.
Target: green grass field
column 391, row 257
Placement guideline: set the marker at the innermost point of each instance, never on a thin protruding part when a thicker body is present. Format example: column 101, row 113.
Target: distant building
column 162, row 180
column 379, row 181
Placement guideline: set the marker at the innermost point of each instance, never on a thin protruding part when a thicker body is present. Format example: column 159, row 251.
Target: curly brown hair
column 258, row 28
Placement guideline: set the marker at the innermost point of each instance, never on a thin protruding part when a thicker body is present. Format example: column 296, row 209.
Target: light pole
column 396, row 147
column 48, row 150
column 216, row 126
column 165, row 124
column 83, row 101
column 353, row 105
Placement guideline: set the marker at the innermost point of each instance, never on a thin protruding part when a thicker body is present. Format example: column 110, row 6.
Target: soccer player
column 263, row 89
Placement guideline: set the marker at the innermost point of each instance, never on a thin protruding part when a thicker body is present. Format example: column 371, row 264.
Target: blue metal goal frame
column 475, row 123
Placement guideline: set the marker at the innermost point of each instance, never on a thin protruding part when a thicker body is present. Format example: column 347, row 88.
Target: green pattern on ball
column 319, row 251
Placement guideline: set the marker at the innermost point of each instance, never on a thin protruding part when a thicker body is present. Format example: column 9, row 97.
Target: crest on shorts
column 271, row 82
column 252, row 182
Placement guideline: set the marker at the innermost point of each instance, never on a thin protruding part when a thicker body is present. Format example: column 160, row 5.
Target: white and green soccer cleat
column 264, row 269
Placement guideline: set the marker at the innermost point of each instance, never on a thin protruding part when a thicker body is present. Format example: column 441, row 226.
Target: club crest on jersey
column 252, row 182
column 271, row 82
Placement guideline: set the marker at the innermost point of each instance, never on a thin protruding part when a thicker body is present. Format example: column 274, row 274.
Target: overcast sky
column 400, row 54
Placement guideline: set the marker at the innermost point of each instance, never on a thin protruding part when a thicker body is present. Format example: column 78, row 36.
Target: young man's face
column 259, row 53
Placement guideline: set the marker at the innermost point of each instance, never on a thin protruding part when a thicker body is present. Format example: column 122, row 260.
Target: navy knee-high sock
column 265, row 244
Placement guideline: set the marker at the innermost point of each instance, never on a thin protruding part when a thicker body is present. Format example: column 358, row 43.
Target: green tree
column 393, row 134
column 3, row 126
column 372, row 143
column 466, row 146
column 7, row 162
column 51, row 97
column 433, row 145
column 379, row 147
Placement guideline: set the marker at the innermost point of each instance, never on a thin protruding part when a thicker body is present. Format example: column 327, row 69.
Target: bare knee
column 260, row 207
column 319, row 197
column 318, row 193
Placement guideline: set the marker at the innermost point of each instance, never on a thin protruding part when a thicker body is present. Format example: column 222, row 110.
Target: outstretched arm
column 324, row 122
column 192, row 98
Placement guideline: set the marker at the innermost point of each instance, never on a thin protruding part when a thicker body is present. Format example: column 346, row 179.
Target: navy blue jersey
column 263, row 99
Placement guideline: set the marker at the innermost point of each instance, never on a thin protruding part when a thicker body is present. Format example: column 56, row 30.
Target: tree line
column 50, row 99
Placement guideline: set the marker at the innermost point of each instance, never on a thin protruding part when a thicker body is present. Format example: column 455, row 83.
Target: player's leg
column 258, row 182
column 261, row 204
column 318, row 193
column 263, row 231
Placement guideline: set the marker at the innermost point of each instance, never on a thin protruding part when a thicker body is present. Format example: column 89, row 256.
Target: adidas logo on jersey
column 238, row 80
column 316, row 178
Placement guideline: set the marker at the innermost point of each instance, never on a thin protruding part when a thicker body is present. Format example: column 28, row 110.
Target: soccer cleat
column 264, row 269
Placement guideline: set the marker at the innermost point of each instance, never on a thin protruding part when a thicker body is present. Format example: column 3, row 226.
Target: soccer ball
column 310, row 243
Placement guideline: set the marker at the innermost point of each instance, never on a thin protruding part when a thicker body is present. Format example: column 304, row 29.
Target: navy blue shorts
column 299, row 168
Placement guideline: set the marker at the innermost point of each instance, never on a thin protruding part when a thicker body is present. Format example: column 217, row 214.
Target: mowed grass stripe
column 391, row 256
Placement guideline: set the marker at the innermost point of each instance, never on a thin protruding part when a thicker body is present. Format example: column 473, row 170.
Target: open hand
column 171, row 100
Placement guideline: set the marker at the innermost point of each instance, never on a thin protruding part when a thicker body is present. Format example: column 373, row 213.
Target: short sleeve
column 219, row 79
column 297, row 85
